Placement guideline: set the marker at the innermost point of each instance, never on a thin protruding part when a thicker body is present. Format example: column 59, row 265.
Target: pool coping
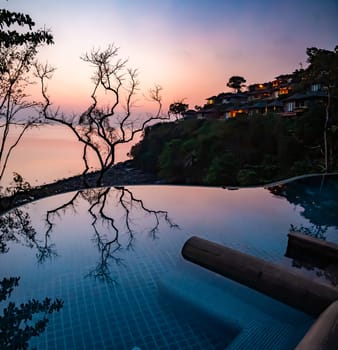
column 324, row 332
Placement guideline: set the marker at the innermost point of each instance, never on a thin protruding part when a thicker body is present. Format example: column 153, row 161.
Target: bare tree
column 18, row 51
column 100, row 129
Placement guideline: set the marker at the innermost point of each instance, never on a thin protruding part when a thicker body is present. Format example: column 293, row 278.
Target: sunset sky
column 189, row 47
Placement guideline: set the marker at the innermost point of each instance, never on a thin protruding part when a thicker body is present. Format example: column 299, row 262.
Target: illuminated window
column 283, row 91
column 275, row 83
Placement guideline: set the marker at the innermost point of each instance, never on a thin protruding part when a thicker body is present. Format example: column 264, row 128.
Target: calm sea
column 50, row 153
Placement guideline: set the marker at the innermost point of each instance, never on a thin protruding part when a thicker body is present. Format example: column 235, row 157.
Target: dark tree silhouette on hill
column 177, row 108
column 236, row 83
column 323, row 70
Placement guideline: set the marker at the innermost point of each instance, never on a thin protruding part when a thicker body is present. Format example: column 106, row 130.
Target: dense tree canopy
column 240, row 151
column 323, row 66
column 323, row 70
column 177, row 108
column 236, row 83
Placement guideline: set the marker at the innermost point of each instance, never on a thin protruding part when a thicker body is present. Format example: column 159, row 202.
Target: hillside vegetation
column 239, row 151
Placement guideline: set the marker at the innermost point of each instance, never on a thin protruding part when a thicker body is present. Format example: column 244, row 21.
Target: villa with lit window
column 281, row 96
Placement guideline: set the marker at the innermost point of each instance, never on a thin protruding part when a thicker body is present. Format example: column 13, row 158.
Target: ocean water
column 49, row 153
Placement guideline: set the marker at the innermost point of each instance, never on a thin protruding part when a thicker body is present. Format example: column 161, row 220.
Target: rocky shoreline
column 121, row 174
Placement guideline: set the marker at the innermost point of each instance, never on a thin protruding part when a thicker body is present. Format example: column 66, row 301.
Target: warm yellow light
column 283, row 91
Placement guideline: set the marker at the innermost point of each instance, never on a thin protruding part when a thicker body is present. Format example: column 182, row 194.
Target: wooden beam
column 321, row 253
column 271, row 279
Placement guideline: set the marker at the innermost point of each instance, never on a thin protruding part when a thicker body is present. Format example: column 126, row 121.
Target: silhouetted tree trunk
column 18, row 50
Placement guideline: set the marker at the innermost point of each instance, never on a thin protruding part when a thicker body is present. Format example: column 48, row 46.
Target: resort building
column 284, row 96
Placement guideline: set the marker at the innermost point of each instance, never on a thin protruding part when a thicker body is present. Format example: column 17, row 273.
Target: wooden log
column 324, row 332
column 310, row 249
column 271, row 279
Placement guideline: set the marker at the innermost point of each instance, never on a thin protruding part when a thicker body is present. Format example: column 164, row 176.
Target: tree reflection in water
column 18, row 324
column 16, row 227
column 112, row 231
column 318, row 197
column 316, row 231
column 328, row 273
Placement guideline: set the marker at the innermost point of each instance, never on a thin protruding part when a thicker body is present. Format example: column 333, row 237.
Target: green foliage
column 146, row 153
column 247, row 176
column 18, row 324
column 171, row 165
column 222, row 170
column 240, row 151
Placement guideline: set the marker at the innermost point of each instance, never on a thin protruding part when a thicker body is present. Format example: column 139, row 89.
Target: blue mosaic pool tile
column 126, row 314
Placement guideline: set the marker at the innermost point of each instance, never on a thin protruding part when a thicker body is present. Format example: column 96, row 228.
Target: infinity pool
column 113, row 255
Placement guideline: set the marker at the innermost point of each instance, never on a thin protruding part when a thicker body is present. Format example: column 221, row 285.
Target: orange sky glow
column 190, row 48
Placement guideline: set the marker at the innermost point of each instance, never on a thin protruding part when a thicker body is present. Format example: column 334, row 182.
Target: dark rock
column 122, row 174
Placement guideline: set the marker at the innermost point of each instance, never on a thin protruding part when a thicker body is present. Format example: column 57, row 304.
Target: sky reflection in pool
column 113, row 256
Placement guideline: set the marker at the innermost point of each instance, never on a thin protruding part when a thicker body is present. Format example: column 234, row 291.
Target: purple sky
column 191, row 48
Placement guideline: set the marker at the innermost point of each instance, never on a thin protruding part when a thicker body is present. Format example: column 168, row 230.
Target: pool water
column 113, row 255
